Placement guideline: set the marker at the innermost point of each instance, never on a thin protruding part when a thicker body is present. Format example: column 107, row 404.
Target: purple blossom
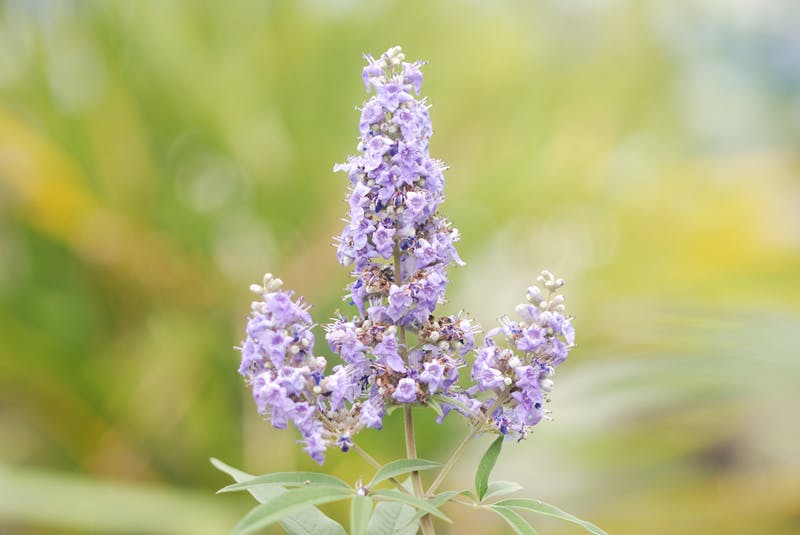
column 383, row 240
column 392, row 94
column 372, row 413
column 406, row 391
column 399, row 301
column 433, row 374
column 387, row 353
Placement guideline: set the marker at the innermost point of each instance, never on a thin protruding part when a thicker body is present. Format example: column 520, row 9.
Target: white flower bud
column 507, row 381
column 294, row 349
column 391, row 329
column 444, row 345
column 546, row 384
column 534, row 294
column 256, row 289
column 514, row 362
column 434, row 336
column 317, row 389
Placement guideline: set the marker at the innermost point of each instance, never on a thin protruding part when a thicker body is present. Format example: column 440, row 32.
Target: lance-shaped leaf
column 288, row 479
column 393, row 518
column 550, row 510
column 288, row 503
column 400, row 467
column 438, row 501
column 514, row 519
column 360, row 510
column 485, row 467
column 498, row 489
column 308, row 521
column 413, row 501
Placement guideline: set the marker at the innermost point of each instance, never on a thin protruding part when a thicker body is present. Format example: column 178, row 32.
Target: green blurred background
column 156, row 157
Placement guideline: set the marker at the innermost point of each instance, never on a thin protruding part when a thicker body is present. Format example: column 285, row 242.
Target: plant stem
column 451, row 462
column 426, row 521
column 460, row 448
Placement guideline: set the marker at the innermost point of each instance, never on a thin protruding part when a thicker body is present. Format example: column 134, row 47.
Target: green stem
column 451, row 462
column 426, row 521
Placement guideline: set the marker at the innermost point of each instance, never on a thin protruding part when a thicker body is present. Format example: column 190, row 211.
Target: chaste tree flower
column 395, row 350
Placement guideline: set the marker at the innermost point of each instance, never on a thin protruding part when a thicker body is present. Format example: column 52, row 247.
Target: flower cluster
column 518, row 373
column 395, row 350
column 278, row 363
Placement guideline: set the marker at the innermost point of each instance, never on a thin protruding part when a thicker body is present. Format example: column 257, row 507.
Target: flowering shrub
column 395, row 351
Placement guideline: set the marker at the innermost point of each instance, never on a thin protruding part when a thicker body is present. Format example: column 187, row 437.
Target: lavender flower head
column 394, row 349
column 517, row 372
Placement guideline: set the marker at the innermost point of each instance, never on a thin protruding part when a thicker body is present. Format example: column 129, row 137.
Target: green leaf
column 422, row 505
column 485, row 467
column 541, row 507
column 291, row 501
column 288, row 479
column 438, row 501
column 360, row 509
column 513, row 519
column 400, row 467
column 433, row 404
column 261, row 494
column 501, row 488
column 309, row 521
column 393, row 518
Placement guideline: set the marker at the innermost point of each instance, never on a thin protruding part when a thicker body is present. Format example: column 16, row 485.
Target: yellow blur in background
column 158, row 157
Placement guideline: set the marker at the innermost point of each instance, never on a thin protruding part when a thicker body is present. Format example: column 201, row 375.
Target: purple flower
column 315, row 444
column 387, row 352
column 391, row 95
column 399, row 301
column 406, row 391
column 375, row 148
column 433, row 374
column 383, row 240
column 413, row 75
column 372, row 413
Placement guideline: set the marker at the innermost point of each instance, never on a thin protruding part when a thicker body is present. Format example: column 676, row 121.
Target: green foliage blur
column 156, row 157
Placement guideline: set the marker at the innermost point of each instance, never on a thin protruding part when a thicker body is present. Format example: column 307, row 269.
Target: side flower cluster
column 517, row 371
column 395, row 350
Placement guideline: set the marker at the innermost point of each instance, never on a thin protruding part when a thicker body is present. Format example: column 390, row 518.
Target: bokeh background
column 157, row 157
